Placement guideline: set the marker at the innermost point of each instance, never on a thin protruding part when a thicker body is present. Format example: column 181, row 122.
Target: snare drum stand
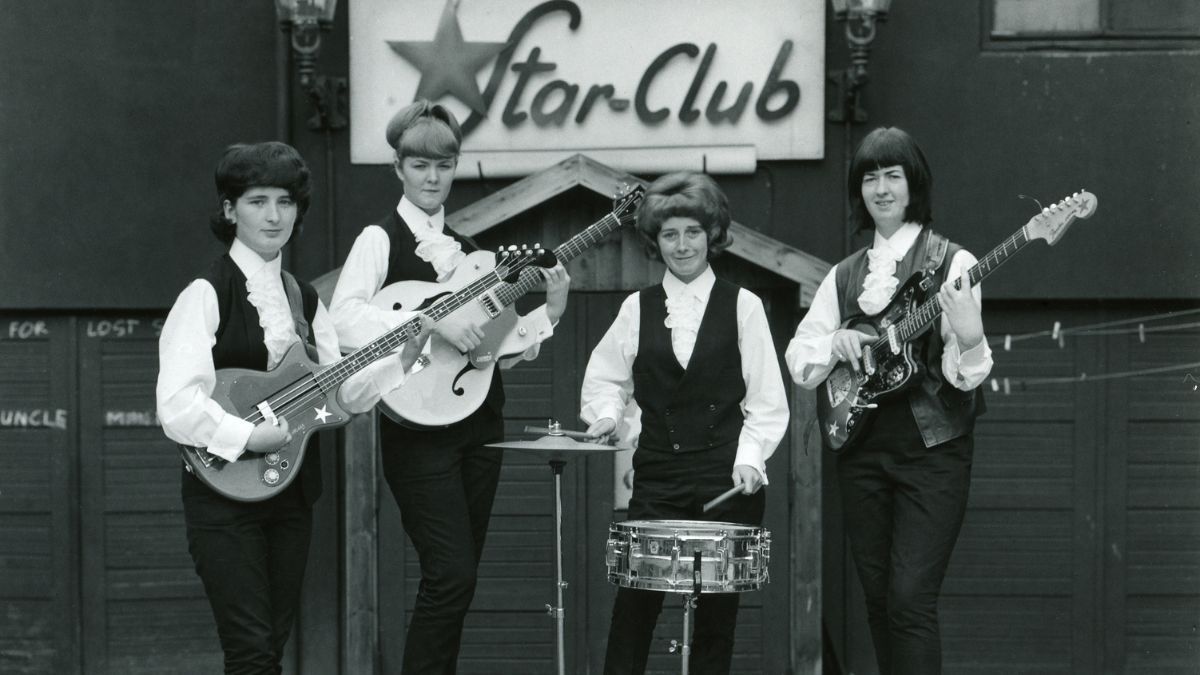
column 689, row 603
column 557, row 611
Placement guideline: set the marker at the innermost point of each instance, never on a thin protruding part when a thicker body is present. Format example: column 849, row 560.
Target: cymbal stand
column 558, row 611
column 684, row 647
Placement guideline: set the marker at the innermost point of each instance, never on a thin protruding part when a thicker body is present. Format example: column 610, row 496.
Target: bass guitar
column 455, row 384
column 846, row 398
column 305, row 393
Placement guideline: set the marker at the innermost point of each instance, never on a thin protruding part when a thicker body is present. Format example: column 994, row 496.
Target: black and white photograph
column 621, row 337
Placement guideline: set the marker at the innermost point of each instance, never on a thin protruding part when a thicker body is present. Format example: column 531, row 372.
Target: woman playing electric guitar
column 905, row 478
column 443, row 478
column 245, row 312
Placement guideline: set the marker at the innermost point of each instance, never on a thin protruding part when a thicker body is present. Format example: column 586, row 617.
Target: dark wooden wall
column 113, row 121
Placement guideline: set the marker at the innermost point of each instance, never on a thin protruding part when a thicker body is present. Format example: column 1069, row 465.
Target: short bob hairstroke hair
column 685, row 194
column 884, row 147
column 250, row 165
column 424, row 129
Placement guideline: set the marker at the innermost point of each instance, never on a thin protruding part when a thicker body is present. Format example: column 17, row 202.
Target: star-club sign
column 322, row 413
column 449, row 63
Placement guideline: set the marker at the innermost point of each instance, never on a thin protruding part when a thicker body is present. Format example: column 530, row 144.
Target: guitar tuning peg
column 538, row 245
column 512, row 247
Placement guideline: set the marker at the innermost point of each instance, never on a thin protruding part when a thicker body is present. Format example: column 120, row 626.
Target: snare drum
column 658, row 555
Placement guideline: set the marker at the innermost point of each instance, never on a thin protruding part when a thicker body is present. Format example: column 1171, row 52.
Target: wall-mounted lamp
column 859, row 17
column 305, row 21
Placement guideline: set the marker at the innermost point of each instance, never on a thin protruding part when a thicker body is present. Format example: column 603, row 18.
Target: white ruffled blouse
column 434, row 246
column 881, row 281
column 264, row 290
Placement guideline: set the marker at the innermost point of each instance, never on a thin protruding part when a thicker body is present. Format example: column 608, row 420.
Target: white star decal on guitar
column 833, row 429
column 322, row 413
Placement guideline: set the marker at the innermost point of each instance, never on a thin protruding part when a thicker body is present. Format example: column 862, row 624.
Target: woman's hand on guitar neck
column 848, row 346
column 557, row 284
column 962, row 311
column 267, row 437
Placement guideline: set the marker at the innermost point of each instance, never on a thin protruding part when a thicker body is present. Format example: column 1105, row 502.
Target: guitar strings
column 921, row 318
column 312, row 387
column 288, row 402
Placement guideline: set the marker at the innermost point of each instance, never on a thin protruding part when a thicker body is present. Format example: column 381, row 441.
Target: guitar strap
column 296, row 302
column 935, row 253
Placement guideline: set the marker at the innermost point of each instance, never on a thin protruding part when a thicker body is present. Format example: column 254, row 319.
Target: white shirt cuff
column 229, row 440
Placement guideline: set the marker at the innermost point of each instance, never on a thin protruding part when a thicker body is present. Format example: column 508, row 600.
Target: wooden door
column 1079, row 551
column 39, row 525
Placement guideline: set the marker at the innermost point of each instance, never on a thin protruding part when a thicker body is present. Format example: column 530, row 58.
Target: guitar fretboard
column 508, row 293
column 920, row 319
column 385, row 344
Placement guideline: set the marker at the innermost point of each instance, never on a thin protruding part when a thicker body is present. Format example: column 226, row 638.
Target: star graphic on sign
column 322, row 413
column 449, row 63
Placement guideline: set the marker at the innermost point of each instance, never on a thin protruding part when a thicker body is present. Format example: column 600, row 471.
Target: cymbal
column 560, row 446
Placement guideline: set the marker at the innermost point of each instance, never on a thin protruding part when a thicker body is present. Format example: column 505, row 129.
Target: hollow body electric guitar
column 846, row 398
column 305, row 393
column 455, row 384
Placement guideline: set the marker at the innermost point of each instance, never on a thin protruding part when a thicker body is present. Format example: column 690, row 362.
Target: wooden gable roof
column 761, row 250
column 579, row 170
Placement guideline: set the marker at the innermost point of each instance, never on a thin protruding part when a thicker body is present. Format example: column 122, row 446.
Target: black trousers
column 444, row 482
column 904, row 506
column 670, row 486
column 250, row 557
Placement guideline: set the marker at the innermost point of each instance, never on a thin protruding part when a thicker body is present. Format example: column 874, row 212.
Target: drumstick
column 560, row 432
column 725, row 495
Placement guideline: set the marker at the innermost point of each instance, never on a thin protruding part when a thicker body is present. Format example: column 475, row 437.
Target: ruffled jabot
column 881, row 282
column 438, row 249
column 265, row 292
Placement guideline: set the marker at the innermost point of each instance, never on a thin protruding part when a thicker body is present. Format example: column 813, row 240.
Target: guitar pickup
column 893, row 340
column 490, row 306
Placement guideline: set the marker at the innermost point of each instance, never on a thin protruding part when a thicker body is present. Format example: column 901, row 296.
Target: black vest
column 405, row 265
column 240, row 345
column 942, row 411
column 696, row 409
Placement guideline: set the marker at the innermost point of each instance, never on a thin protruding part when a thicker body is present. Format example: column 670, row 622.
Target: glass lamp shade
column 306, row 11
column 860, row 8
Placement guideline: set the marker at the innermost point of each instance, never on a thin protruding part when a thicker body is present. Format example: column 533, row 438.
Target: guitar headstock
column 626, row 203
column 1054, row 220
column 510, row 261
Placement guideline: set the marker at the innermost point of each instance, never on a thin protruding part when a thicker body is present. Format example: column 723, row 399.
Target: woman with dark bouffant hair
column 695, row 354
column 904, row 480
column 245, row 311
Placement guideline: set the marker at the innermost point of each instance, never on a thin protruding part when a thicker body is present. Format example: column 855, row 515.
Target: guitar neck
column 528, row 277
column 508, row 293
column 920, row 319
column 385, row 344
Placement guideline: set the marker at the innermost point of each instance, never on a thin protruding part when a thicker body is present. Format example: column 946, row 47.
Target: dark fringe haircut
column 884, row 147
